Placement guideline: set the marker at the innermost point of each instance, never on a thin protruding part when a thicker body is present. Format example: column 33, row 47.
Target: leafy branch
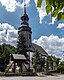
column 56, row 5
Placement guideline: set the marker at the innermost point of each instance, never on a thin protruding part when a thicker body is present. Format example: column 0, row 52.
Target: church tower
column 25, row 31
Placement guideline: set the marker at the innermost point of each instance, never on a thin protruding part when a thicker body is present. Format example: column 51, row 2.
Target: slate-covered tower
column 25, row 30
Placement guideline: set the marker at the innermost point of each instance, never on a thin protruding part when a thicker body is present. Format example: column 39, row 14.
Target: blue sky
column 38, row 29
column 49, row 36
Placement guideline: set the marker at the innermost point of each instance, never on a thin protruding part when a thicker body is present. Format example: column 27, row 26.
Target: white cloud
column 8, row 34
column 42, row 10
column 27, row 2
column 5, row 26
column 53, row 20
column 11, row 5
column 52, row 44
column 61, row 25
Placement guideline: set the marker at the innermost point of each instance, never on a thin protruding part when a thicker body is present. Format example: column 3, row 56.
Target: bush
column 8, row 70
column 61, row 67
column 2, row 68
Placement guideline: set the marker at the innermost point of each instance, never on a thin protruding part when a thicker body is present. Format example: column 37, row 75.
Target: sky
column 49, row 35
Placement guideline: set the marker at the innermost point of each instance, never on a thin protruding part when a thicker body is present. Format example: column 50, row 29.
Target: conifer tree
column 36, row 60
column 21, row 46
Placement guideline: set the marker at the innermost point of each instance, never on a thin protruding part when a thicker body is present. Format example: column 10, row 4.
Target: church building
column 25, row 47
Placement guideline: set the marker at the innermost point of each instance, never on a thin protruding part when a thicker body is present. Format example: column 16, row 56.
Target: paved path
column 61, row 77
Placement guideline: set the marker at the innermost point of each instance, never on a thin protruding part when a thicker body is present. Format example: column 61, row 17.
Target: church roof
column 35, row 47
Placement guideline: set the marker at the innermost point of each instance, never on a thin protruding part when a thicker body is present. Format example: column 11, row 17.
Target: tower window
column 29, row 36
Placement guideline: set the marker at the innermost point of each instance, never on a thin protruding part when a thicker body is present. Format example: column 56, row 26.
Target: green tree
column 36, row 61
column 55, row 7
column 21, row 47
column 49, row 62
column 61, row 67
column 5, row 51
column 57, row 61
column 52, row 62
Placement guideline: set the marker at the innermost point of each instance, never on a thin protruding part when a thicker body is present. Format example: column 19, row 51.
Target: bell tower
column 24, row 39
column 24, row 30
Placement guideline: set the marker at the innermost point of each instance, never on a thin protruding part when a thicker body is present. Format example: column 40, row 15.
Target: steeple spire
column 24, row 8
column 25, row 17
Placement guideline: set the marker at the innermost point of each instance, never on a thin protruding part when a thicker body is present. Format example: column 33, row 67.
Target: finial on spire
column 24, row 8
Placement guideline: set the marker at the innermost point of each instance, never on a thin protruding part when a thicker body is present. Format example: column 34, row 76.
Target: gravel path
column 60, row 77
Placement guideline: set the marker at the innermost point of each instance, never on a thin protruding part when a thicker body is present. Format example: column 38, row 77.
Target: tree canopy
column 5, row 51
column 56, row 7
column 61, row 67
column 36, row 60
